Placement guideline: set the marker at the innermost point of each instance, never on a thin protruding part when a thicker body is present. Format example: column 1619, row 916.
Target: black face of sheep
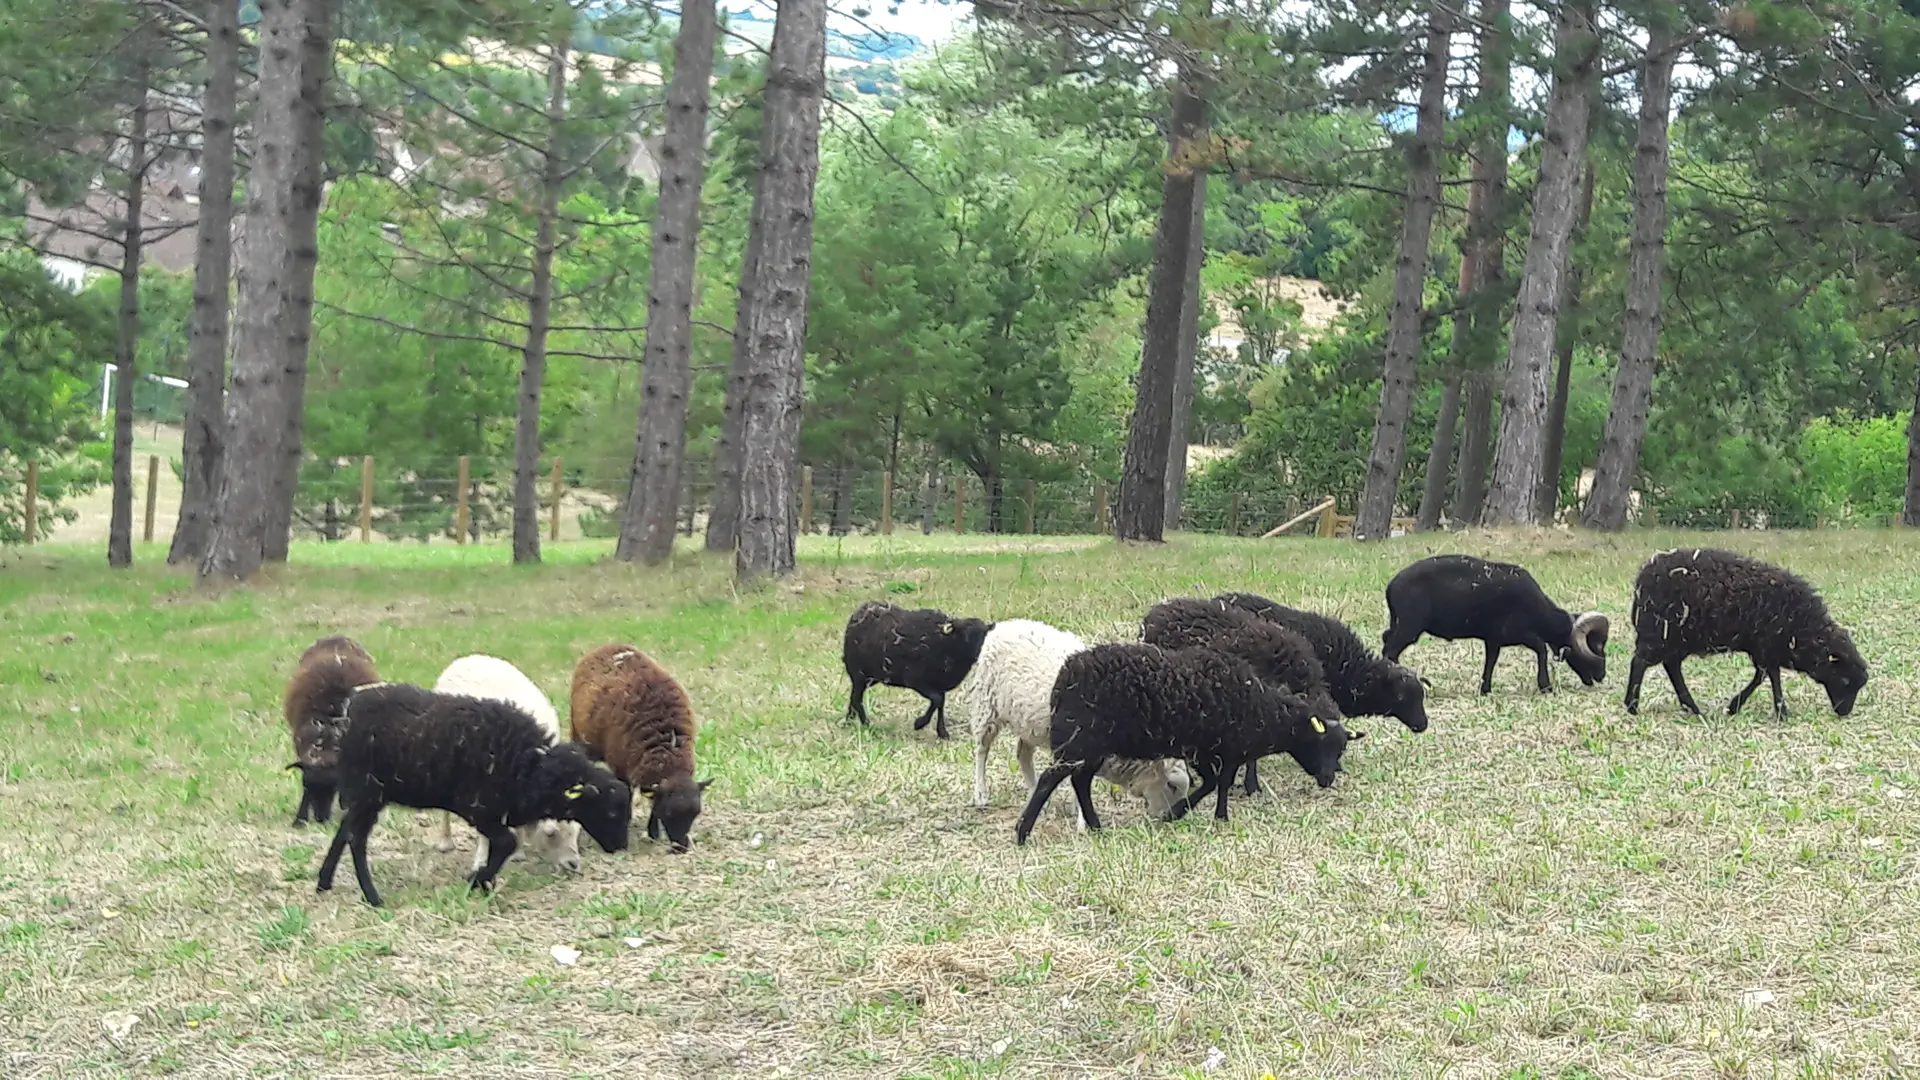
column 1318, row 749
column 602, row 804
column 317, row 785
column 676, row 803
column 1459, row 596
column 1841, row 671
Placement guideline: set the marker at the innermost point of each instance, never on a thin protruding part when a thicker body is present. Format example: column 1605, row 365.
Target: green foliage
column 1856, row 468
column 51, row 345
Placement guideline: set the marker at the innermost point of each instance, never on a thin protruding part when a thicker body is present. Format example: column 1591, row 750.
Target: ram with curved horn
column 1500, row 604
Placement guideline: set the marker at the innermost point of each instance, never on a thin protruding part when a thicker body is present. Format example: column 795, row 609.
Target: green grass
column 1537, row 887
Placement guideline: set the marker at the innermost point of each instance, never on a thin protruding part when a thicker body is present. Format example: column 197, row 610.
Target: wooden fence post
column 1734, row 519
column 1326, row 518
column 1233, row 516
column 806, row 499
column 366, row 499
column 1099, row 508
column 1653, row 517
column 553, row 529
column 153, row 485
column 460, row 506
column 886, row 503
column 959, row 502
column 33, row 500
column 687, row 525
column 1030, row 506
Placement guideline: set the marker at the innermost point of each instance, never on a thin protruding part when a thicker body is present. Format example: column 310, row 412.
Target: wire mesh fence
column 470, row 499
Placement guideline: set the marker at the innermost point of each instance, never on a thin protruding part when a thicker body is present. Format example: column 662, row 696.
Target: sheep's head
column 676, row 803
column 557, row 842
column 1164, row 785
column 969, row 635
column 1587, row 652
column 573, row 787
column 1838, row 667
column 1317, row 743
column 1407, row 698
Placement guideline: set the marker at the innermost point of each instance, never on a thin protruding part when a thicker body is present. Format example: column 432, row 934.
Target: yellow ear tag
column 1317, row 725
column 946, row 628
column 576, row 791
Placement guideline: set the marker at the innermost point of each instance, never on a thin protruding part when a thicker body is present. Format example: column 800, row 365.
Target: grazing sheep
column 925, row 651
column 1361, row 683
column 1013, row 692
column 316, row 706
column 486, row 761
column 630, row 713
column 496, row 680
column 1700, row 601
column 1460, row 596
column 1277, row 655
column 1144, row 702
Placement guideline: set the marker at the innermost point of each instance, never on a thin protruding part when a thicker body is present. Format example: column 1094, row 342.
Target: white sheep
column 493, row 679
column 1013, row 692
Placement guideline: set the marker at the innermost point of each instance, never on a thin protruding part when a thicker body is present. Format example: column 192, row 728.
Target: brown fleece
column 632, row 715
column 316, row 698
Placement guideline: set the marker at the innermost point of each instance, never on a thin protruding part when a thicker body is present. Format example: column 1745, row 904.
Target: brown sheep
column 316, row 709
column 629, row 713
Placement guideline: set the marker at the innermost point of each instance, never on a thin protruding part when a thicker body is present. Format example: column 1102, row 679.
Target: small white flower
column 1216, row 1057
column 758, row 839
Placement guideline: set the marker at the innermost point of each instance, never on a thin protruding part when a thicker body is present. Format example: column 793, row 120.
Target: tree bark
column 203, row 438
column 127, row 342
column 309, row 179
column 1567, row 338
column 1433, row 494
column 775, row 302
column 1523, row 402
column 1140, row 513
column 1191, row 300
column 1474, row 337
column 533, row 358
column 659, row 455
column 255, row 406
column 723, row 518
column 1910, row 509
column 1626, row 427
column 1374, row 520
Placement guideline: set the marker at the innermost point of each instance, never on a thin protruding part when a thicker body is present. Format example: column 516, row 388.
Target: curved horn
column 1584, row 628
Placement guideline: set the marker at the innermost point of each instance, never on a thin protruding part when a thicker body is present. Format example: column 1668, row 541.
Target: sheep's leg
column 922, row 720
column 1396, row 641
column 983, row 745
column 1544, row 673
column 1779, row 698
column 1042, row 791
column 500, row 845
column 1083, row 792
column 1680, row 687
column 1486, row 669
column 1220, row 802
column 1740, row 699
column 857, row 701
column 940, row 725
column 653, row 821
column 443, row 835
column 1024, row 751
column 1635, row 672
column 323, row 805
column 480, row 850
column 306, row 800
column 1253, row 776
column 332, row 862
column 358, row 825
column 1209, row 779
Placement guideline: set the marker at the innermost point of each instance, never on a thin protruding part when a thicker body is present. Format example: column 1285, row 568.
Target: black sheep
column 926, row 651
column 1361, row 683
column 1144, row 702
column 486, row 762
column 1460, row 596
column 1277, row 655
column 1700, row 601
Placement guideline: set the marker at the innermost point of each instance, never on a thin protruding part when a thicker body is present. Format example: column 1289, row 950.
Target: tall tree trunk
column 1374, row 520
column 255, row 407
column 203, row 438
column 309, row 179
column 1433, row 494
column 1523, row 402
column 1474, row 338
column 723, row 518
column 1910, row 509
column 127, row 342
column 1191, row 300
column 659, row 455
column 775, row 327
column 1567, row 338
column 1619, row 460
column 533, row 360
column 1140, row 513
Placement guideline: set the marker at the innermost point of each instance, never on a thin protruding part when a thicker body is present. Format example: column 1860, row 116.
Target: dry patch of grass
column 1537, row 887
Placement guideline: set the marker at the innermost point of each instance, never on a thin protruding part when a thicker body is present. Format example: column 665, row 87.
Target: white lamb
column 492, row 679
column 1013, row 692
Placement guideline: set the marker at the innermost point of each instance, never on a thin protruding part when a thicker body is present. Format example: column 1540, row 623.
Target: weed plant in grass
column 1539, row 886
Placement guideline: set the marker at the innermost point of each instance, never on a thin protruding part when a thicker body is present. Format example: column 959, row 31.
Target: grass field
column 1537, row 887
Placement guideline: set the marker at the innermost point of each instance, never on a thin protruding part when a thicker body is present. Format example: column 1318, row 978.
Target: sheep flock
column 1170, row 717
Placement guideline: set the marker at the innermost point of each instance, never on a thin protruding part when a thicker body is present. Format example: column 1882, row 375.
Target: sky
column 930, row 21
